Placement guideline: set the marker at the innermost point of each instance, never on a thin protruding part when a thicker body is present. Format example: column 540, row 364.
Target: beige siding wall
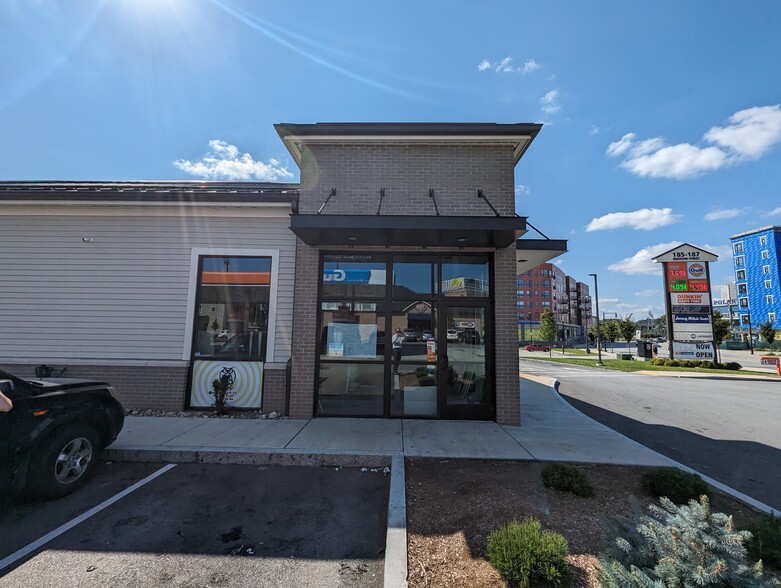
column 124, row 296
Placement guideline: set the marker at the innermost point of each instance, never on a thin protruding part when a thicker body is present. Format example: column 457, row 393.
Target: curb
column 241, row 455
column 396, row 537
column 721, row 487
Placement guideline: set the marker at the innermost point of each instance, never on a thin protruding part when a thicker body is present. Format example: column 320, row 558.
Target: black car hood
column 62, row 384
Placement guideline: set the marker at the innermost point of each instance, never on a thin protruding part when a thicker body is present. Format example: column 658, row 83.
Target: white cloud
column 647, row 293
column 595, row 130
column 640, row 262
column 550, row 102
column 645, row 219
column 521, row 189
column 617, row 148
column 723, row 213
column 750, row 134
column 723, row 251
column 506, row 66
column 225, row 162
column 560, row 262
column 530, row 66
column 775, row 212
column 608, row 300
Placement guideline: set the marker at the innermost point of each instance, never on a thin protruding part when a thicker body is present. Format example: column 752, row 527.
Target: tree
column 628, row 328
column 610, row 330
column 768, row 333
column 721, row 329
column 547, row 326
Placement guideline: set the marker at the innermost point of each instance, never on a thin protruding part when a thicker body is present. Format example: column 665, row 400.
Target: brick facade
column 274, row 389
column 407, row 172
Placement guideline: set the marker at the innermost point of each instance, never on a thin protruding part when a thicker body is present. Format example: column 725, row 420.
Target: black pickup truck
column 51, row 439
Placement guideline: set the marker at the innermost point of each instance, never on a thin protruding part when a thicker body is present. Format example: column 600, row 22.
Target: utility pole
column 599, row 333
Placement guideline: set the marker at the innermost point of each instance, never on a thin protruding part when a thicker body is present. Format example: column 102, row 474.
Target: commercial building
column 756, row 256
column 292, row 291
column 547, row 287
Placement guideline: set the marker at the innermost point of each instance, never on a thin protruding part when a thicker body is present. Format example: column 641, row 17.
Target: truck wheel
column 66, row 460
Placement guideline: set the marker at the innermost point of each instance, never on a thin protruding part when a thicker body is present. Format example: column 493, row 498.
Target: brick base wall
column 274, row 390
column 142, row 387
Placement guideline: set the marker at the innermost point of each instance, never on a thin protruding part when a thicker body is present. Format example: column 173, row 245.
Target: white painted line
column 27, row 549
column 396, row 536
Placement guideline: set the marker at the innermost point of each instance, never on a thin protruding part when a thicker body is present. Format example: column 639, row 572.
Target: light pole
column 599, row 333
column 750, row 335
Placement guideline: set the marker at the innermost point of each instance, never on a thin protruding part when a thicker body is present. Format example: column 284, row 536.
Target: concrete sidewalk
column 552, row 430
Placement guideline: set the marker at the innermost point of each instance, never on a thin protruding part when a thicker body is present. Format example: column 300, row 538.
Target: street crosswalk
column 551, row 369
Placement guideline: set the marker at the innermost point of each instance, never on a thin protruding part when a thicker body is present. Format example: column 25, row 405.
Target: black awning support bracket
column 382, row 195
column 544, row 236
column 481, row 195
column 434, row 200
column 322, row 206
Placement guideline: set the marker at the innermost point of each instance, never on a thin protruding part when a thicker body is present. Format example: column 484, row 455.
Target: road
column 729, row 430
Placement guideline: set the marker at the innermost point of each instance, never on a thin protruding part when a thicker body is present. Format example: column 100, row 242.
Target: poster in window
column 352, row 340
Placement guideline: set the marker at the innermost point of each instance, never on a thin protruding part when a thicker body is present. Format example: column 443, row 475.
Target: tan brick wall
column 302, row 388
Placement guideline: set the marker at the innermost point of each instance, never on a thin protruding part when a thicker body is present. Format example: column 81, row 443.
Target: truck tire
column 65, row 461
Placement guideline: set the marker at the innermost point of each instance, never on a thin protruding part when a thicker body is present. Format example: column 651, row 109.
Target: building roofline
column 760, row 230
column 295, row 135
column 148, row 191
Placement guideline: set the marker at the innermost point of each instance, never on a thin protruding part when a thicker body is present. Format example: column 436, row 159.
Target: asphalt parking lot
column 204, row 525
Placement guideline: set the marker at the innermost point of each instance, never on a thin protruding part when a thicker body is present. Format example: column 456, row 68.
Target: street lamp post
column 599, row 332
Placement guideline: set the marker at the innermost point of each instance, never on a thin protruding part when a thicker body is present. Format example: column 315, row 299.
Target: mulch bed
column 453, row 505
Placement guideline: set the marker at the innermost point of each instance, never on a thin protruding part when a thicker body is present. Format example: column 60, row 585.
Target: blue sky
column 662, row 119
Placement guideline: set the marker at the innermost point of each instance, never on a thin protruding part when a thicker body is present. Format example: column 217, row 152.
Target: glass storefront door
column 464, row 367
column 402, row 335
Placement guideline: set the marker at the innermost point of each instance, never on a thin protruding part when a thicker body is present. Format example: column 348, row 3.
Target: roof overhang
column 407, row 231
column 530, row 253
column 519, row 136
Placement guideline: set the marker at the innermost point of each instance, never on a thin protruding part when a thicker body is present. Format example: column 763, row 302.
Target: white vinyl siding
column 123, row 296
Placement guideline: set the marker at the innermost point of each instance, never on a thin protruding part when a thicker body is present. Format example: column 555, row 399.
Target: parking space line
column 29, row 548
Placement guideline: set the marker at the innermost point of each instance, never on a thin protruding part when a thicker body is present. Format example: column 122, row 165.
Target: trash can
column 645, row 349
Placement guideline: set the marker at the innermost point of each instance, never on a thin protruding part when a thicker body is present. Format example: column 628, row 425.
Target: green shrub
column 421, row 372
column 659, row 361
column 765, row 543
column 675, row 484
column 525, row 555
column 732, row 365
column 681, row 546
column 708, row 365
column 674, row 363
column 567, row 478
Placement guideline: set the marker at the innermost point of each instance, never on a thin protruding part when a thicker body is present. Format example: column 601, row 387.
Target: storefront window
column 233, row 305
column 352, row 276
column 231, row 330
column 465, row 276
column 414, row 276
column 350, row 389
column 352, row 330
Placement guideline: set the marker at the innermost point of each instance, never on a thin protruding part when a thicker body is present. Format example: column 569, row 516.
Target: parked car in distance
column 426, row 335
column 452, row 335
column 536, row 347
column 53, row 435
column 410, row 335
column 223, row 334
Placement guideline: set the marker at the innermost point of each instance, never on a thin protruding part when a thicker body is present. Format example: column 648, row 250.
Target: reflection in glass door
column 465, row 377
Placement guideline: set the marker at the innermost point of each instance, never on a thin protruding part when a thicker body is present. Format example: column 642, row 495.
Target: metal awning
column 407, row 231
column 530, row 253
